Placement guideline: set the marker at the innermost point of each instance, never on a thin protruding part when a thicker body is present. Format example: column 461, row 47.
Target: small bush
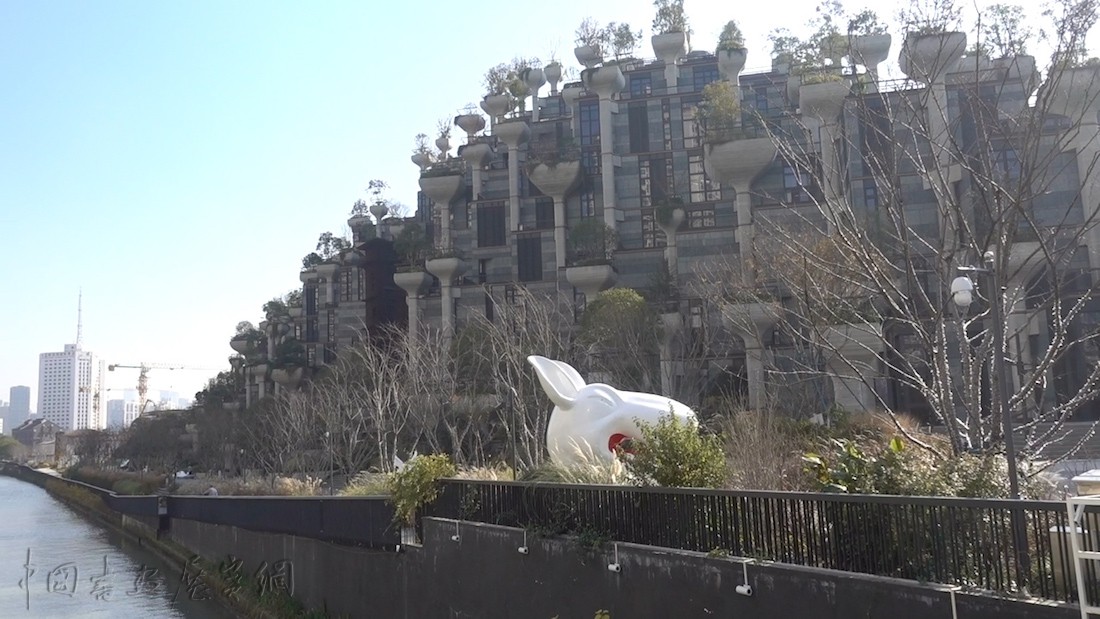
column 417, row 484
column 674, row 453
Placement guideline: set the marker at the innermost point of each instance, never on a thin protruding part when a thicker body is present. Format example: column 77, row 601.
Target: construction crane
column 143, row 375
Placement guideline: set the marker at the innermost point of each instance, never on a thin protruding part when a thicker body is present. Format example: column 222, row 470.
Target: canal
column 55, row 563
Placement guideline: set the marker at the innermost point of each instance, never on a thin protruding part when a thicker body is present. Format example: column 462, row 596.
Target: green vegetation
column 417, row 484
column 674, row 453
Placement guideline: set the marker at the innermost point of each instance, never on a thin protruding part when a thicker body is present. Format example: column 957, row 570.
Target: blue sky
column 175, row 160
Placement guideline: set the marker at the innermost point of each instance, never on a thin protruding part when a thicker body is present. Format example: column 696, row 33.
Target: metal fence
column 954, row 541
column 359, row 521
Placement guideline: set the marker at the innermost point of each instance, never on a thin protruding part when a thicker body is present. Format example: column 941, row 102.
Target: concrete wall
column 483, row 575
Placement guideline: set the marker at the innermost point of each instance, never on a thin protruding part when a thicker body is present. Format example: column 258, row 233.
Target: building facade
column 71, row 388
column 844, row 157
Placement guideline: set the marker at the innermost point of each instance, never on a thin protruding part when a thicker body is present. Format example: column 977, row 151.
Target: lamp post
column 962, row 293
column 331, row 472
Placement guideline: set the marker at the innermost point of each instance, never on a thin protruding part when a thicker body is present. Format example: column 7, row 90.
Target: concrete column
column 607, row 81
column 514, row 133
column 447, row 269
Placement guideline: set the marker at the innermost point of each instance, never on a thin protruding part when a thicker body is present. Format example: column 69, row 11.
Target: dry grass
column 253, row 486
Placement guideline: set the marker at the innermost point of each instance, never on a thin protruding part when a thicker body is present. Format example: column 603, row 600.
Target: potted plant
column 592, row 244
column 869, row 43
column 422, row 153
column 288, row 366
column 671, row 27
column 497, row 102
column 731, row 51
column 932, row 43
column 443, row 142
column 719, row 114
column 248, row 340
column 470, row 121
column 362, row 228
column 590, row 40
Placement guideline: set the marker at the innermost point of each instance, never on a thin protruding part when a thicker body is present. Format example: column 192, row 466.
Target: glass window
column 491, row 229
column 590, row 123
column 870, row 194
column 544, row 213
column 702, row 188
column 346, row 289
column 700, row 218
column 638, row 122
column 651, row 234
column 588, row 204
column 691, row 129
column 529, row 254
column 701, row 76
column 641, row 85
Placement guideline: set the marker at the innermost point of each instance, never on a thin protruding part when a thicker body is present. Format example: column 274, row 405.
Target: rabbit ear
column 574, row 375
column 556, row 382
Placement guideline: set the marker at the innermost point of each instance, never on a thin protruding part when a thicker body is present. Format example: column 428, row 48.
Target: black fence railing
column 359, row 521
column 953, row 541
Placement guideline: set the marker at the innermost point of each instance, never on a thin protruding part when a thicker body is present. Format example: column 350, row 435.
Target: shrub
column 674, row 453
column 417, row 484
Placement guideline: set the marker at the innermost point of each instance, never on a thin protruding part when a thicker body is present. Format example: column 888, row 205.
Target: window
column 589, row 122
column 544, row 213
column 1007, row 164
column 311, row 330
column 529, row 253
column 655, row 180
column 345, row 284
column 792, row 183
column 651, row 235
column 870, row 194
column 666, row 122
column 311, row 300
column 702, row 76
column 702, row 188
column 588, row 203
column 691, row 128
column 641, row 85
column 638, row 121
column 760, row 98
column 483, row 270
column 700, row 218
column 590, row 161
column 361, row 283
column 491, row 231
column 331, row 319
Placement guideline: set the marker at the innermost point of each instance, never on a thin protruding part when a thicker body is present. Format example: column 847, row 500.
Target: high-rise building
column 121, row 413
column 70, row 388
column 19, row 409
column 20, row 403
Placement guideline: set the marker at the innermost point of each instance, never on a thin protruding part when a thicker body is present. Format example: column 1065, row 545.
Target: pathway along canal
column 56, row 563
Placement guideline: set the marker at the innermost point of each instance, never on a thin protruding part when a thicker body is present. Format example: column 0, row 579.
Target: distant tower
column 79, row 318
column 70, row 384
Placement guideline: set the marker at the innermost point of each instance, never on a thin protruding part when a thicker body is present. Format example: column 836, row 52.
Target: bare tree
column 971, row 162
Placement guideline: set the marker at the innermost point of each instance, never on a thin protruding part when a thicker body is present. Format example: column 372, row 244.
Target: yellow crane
column 143, row 375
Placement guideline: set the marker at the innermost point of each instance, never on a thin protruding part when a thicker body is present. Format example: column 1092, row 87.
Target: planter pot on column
column 414, row 283
column 591, row 279
column 751, row 321
column 295, row 312
column 446, row 269
column 557, row 181
column 823, row 101
column 870, row 50
column 470, row 123
column 1073, row 94
column 240, row 346
column 443, row 144
column 731, row 62
column 422, row 160
column 852, row 354
column 670, row 47
column 553, row 75
column 496, row 106
column 288, row 377
column 569, row 95
column 588, row 55
column 927, row 57
column 605, row 81
column 308, row 275
column 738, row 162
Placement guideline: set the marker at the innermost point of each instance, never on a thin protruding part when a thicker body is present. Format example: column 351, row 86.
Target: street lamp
column 962, row 293
column 331, row 467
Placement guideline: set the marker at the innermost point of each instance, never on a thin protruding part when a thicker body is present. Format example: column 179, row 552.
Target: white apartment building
column 71, row 390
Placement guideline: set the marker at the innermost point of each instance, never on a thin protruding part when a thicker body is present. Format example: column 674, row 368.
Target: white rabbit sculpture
column 595, row 418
